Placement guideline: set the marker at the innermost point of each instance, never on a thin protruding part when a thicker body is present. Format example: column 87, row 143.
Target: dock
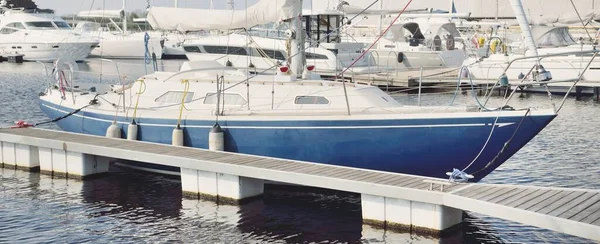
column 392, row 200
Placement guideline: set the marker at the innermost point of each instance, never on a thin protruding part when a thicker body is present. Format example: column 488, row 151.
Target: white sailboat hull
column 127, row 48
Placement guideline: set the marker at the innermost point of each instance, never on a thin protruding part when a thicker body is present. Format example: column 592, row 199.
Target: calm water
column 127, row 206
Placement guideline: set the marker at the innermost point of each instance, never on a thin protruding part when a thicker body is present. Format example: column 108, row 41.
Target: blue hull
column 428, row 147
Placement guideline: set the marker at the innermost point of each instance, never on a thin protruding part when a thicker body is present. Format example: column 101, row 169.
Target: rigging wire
column 583, row 24
column 377, row 39
column 272, row 67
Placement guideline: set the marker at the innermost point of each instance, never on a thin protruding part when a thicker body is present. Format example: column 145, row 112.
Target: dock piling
column 400, row 214
column 63, row 163
column 19, row 156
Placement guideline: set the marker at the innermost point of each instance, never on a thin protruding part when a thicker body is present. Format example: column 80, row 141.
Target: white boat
column 264, row 53
column 419, row 42
column 263, row 49
column 542, row 40
column 117, row 41
column 286, row 116
column 40, row 36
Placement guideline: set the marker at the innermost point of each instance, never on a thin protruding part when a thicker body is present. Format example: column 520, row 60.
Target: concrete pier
column 19, row 156
column 223, row 188
column 400, row 214
column 63, row 163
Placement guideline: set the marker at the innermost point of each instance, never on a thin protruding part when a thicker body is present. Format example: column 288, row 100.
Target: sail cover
column 568, row 18
column 116, row 14
column 183, row 19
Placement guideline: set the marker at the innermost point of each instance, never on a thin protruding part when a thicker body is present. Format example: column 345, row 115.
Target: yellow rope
column 261, row 51
column 143, row 84
column 185, row 92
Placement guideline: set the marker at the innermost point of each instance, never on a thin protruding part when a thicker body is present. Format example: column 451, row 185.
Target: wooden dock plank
column 265, row 163
column 349, row 174
column 472, row 191
column 561, row 202
column 378, row 176
column 488, row 191
column 395, row 181
column 373, row 176
column 293, row 167
column 538, row 199
column 413, row 183
column 508, row 195
column 398, row 180
column 381, row 178
column 586, row 212
column 500, row 192
column 592, row 218
column 538, row 206
column 573, row 203
column 594, row 199
column 410, row 182
column 520, row 198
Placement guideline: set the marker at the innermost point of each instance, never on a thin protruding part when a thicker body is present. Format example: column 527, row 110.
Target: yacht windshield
column 40, row 25
column 62, row 25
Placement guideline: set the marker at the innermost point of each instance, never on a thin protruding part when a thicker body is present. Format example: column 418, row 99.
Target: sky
column 63, row 7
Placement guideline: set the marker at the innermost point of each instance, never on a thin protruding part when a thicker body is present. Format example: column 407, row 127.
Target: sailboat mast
column 297, row 42
column 380, row 18
column 124, row 16
column 525, row 29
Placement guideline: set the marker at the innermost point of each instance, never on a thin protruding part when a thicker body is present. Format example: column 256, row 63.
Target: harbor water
column 127, row 206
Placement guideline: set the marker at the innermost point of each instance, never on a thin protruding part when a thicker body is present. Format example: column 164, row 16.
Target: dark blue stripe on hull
column 427, row 151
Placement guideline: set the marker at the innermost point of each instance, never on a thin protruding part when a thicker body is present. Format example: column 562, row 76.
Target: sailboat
column 540, row 40
column 291, row 114
column 117, row 41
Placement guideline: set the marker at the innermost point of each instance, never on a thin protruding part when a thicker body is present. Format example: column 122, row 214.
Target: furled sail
column 117, row 14
column 568, row 18
column 183, row 19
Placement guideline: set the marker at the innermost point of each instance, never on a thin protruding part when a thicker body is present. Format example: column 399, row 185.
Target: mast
column 380, row 18
column 124, row 16
column 297, row 42
column 177, row 3
column 525, row 29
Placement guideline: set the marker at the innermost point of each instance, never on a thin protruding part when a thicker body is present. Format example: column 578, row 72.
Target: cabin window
column 225, row 50
column 192, row 49
column 311, row 100
column 16, row 25
column 274, row 54
column 227, row 99
column 174, row 97
column 62, row 25
column 315, row 56
column 46, row 25
column 7, row 31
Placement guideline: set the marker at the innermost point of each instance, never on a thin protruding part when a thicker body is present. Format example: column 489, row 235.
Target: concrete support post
column 67, row 164
column 223, row 188
column 409, row 215
column 19, row 156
